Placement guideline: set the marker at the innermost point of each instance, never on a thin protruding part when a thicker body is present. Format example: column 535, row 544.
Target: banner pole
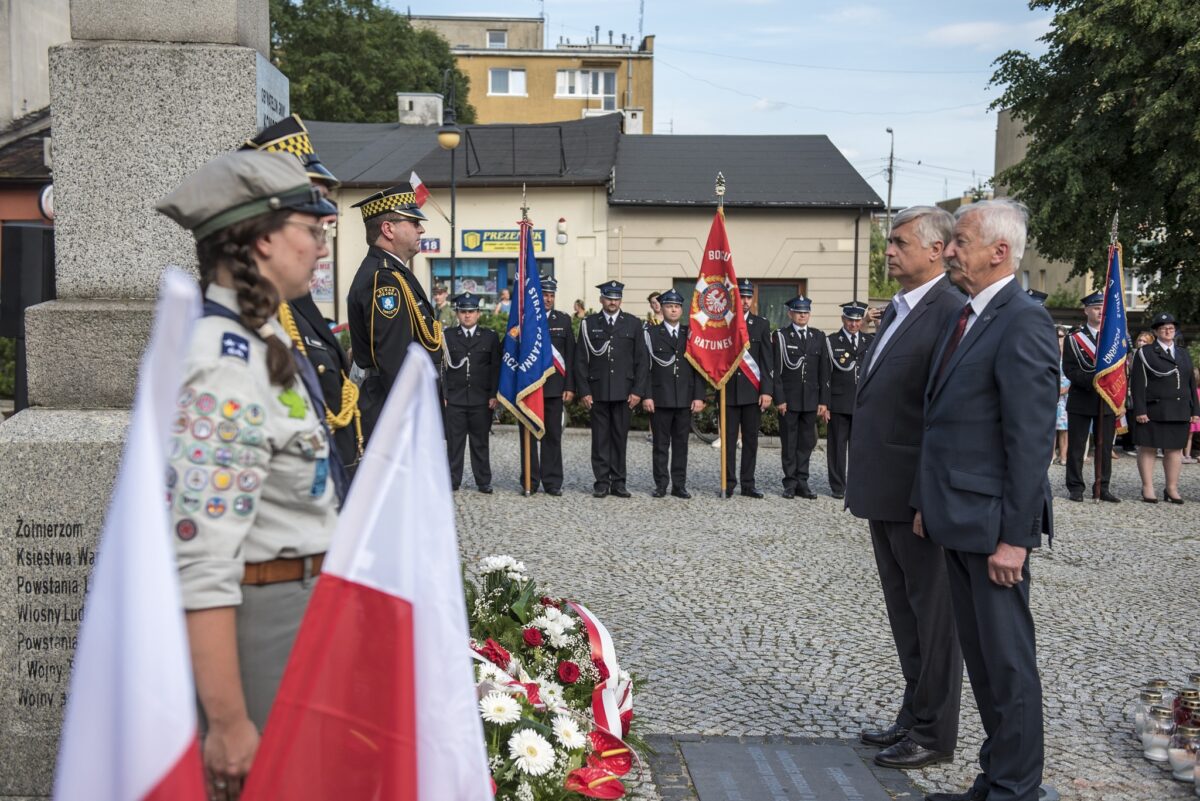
column 724, row 491
column 528, row 469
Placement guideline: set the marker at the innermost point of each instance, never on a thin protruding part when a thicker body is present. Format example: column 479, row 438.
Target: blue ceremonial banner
column 528, row 358
column 1112, row 347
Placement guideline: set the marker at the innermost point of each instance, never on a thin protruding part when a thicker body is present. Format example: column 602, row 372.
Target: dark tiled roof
column 22, row 154
column 780, row 171
column 577, row 152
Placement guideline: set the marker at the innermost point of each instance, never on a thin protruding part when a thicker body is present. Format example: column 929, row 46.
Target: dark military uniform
column 610, row 365
column 803, row 381
column 471, row 375
column 1086, row 411
column 388, row 310
column 742, row 413
column 1164, row 389
column 673, row 385
column 845, row 352
column 545, row 460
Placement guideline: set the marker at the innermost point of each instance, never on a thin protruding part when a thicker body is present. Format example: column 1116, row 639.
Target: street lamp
column 891, row 174
column 449, row 136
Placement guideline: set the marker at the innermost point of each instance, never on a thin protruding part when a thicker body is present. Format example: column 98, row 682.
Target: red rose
column 533, row 637
column 601, row 668
column 494, row 652
column 546, row 600
column 626, row 719
column 568, row 672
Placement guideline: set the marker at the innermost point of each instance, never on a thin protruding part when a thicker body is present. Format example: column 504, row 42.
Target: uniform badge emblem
column 215, row 507
column 198, row 454
column 189, row 503
column 252, row 436
column 227, row 431
column 387, row 300
column 206, row 403
column 202, row 428
column 186, row 397
column 254, row 414
column 185, row 530
column 236, row 346
column 181, row 423
column 230, row 409
column 247, row 481
column 247, row 458
column 223, row 456
column 195, row 479
column 172, row 477
column 296, row 405
column 243, row 505
column 222, row 480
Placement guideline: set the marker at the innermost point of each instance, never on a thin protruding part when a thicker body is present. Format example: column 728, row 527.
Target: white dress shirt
column 903, row 302
column 980, row 301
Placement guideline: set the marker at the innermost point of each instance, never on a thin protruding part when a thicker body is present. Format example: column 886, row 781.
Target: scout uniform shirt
column 249, row 475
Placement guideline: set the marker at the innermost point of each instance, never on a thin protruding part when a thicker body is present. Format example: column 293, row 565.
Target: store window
column 506, row 82
column 483, row 277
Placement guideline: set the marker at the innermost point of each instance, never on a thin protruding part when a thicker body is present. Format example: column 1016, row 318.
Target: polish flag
column 130, row 727
column 378, row 698
column 418, row 189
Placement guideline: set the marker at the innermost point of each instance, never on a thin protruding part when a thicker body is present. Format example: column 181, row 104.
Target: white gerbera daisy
column 567, row 732
column 531, row 752
column 487, row 672
column 499, row 708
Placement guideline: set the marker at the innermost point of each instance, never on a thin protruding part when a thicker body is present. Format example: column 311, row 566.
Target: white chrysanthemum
column 515, row 576
column 558, row 639
column 551, row 693
column 541, row 622
column 567, row 732
column 531, row 752
column 499, row 564
column 553, row 613
column 499, row 708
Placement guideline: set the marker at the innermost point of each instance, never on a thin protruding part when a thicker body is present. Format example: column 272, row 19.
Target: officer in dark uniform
column 301, row 318
column 674, row 392
column 610, row 377
column 846, row 349
column 388, row 309
column 471, row 375
column 1087, row 411
column 745, row 402
column 803, row 370
column 545, row 462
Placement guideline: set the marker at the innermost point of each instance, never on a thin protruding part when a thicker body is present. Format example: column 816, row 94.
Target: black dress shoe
column 729, row 492
column 1076, row 496
column 1108, row 497
column 752, row 493
column 486, row 489
column 906, row 754
column 620, row 492
column 555, row 492
column 789, row 493
column 839, row 496
column 883, row 737
column 806, row 493
column 659, row 492
column 600, row 492
column 969, row 795
column 680, row 492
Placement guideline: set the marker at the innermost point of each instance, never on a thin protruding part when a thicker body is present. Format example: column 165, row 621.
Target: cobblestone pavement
column 765, row 617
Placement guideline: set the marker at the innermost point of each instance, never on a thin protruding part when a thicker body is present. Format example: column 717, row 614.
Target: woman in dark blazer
column 1164, row 405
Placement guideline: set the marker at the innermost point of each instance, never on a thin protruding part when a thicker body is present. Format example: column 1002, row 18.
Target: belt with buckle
column 279, row 570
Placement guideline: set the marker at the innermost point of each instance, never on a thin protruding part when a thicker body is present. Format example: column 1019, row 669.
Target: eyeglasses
column 320, row 231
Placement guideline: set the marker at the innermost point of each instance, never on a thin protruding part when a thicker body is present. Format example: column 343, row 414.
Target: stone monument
column 144, row 93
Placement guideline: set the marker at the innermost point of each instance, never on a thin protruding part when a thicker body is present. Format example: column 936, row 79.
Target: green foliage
column 1111, row 116
column 347, row 59
column 1063, row 298
column 880, row 285
column 8, row 367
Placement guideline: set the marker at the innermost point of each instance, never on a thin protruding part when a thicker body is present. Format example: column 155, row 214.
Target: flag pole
column 1100, row 447
column 527, row 468
column 719, row 189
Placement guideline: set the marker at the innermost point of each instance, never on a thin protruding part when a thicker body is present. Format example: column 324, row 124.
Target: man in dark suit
column 471, row 376
column 982, row 487
column 610, row 378
column 674, row 392
column 802, row 397
column 545, row 460
column 1087, row 413
column 884, row 449
column 845, row 349
column 747, row 396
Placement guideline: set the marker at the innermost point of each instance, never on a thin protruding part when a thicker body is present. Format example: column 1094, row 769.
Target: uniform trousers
column 1077, row 435
column 837, row 442
column 797, row 438
column 545, row 458
column 912, row 573
column 475, row 423
column 995, row 629
column 610, row 435
column 670, row 429
column 745, row 418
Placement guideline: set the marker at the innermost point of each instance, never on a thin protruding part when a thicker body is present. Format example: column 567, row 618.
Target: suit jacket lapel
column 972, row 336
column 907, row 323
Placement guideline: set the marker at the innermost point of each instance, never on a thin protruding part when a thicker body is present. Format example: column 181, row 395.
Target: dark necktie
column 608, row 321
column 952, row 345
column 675, row 335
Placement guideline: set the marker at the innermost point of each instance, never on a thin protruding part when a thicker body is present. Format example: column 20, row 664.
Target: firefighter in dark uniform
column 803, row 379
column 1086, row 411
column 471, row 374
column 387, row 308
column 674, row 392
column 745, row 402
column 545, row 462
column 301, row 318
column 610, row 378
column 846, row 349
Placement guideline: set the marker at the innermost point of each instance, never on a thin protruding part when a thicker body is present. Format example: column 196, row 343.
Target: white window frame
column 503, row 44
column 586, row 85
column 511, row 71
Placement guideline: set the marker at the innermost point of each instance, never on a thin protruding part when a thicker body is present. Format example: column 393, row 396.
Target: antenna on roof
column 641, row 17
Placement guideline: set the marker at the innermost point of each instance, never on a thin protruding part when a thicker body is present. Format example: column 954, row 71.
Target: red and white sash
column 560, row 363
column 749, row 368
column 1085, row 344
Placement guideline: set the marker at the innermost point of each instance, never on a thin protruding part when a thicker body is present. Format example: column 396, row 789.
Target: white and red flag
column 717, row 337
column 130, row 727
column 419, row 189
column 378, row 698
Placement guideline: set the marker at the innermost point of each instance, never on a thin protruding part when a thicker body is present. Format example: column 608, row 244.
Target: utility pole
column 891, row 174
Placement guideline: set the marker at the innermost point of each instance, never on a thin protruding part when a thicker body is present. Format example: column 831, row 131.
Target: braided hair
column 258, row 299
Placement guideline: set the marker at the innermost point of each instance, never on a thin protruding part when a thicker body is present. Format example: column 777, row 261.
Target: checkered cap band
column 296, row 144
column 401, row 200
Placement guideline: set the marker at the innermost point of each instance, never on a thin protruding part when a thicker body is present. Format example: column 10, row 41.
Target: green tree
column 1110, row 112
column 880, row 285
column 347, row 59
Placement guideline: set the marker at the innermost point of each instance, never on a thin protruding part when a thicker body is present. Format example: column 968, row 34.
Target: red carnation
column 494, row 652
column 601, row 668
column 626, row 719
column 568, row 672
column 533, row 637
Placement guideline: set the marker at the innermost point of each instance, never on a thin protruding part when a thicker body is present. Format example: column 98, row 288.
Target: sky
column 847, row 70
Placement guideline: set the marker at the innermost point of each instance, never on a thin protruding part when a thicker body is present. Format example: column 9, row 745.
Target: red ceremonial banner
column 717, row 335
